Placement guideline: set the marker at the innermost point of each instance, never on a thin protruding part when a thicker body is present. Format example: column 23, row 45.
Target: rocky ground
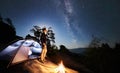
column 34, row 66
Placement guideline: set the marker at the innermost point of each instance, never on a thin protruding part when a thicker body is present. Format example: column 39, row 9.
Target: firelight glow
column 60, row 68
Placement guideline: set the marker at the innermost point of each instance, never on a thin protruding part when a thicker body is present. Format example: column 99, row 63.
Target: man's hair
column 44, row 29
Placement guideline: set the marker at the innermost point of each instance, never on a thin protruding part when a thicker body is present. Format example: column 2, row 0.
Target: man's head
column 44, row 30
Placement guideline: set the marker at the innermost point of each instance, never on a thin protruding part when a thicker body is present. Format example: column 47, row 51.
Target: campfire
column 60, row 68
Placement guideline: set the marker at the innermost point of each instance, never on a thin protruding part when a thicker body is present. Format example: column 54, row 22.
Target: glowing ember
column 60, row 68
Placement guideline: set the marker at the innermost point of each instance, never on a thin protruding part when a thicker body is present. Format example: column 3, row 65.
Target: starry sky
column 73, row 21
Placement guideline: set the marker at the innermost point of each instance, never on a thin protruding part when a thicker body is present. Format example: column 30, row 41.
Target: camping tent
column 20, row 51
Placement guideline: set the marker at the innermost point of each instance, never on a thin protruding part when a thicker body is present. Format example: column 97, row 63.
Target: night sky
column 73, row 21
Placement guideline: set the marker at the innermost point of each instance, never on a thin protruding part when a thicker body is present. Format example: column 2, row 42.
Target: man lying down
column 22, row 49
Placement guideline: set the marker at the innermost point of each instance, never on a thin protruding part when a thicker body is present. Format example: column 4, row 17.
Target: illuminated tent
column 20, row 51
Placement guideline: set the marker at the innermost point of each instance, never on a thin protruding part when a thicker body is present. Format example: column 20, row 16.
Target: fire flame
column 60, row 68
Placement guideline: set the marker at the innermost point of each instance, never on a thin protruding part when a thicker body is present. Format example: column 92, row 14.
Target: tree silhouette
column 7, row 32
column 1, row 18
column 9, row 21
column 95, row 42
column 37, row 30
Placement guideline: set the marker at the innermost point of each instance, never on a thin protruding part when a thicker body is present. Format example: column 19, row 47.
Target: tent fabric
column 21, row 55
column 20, row 51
